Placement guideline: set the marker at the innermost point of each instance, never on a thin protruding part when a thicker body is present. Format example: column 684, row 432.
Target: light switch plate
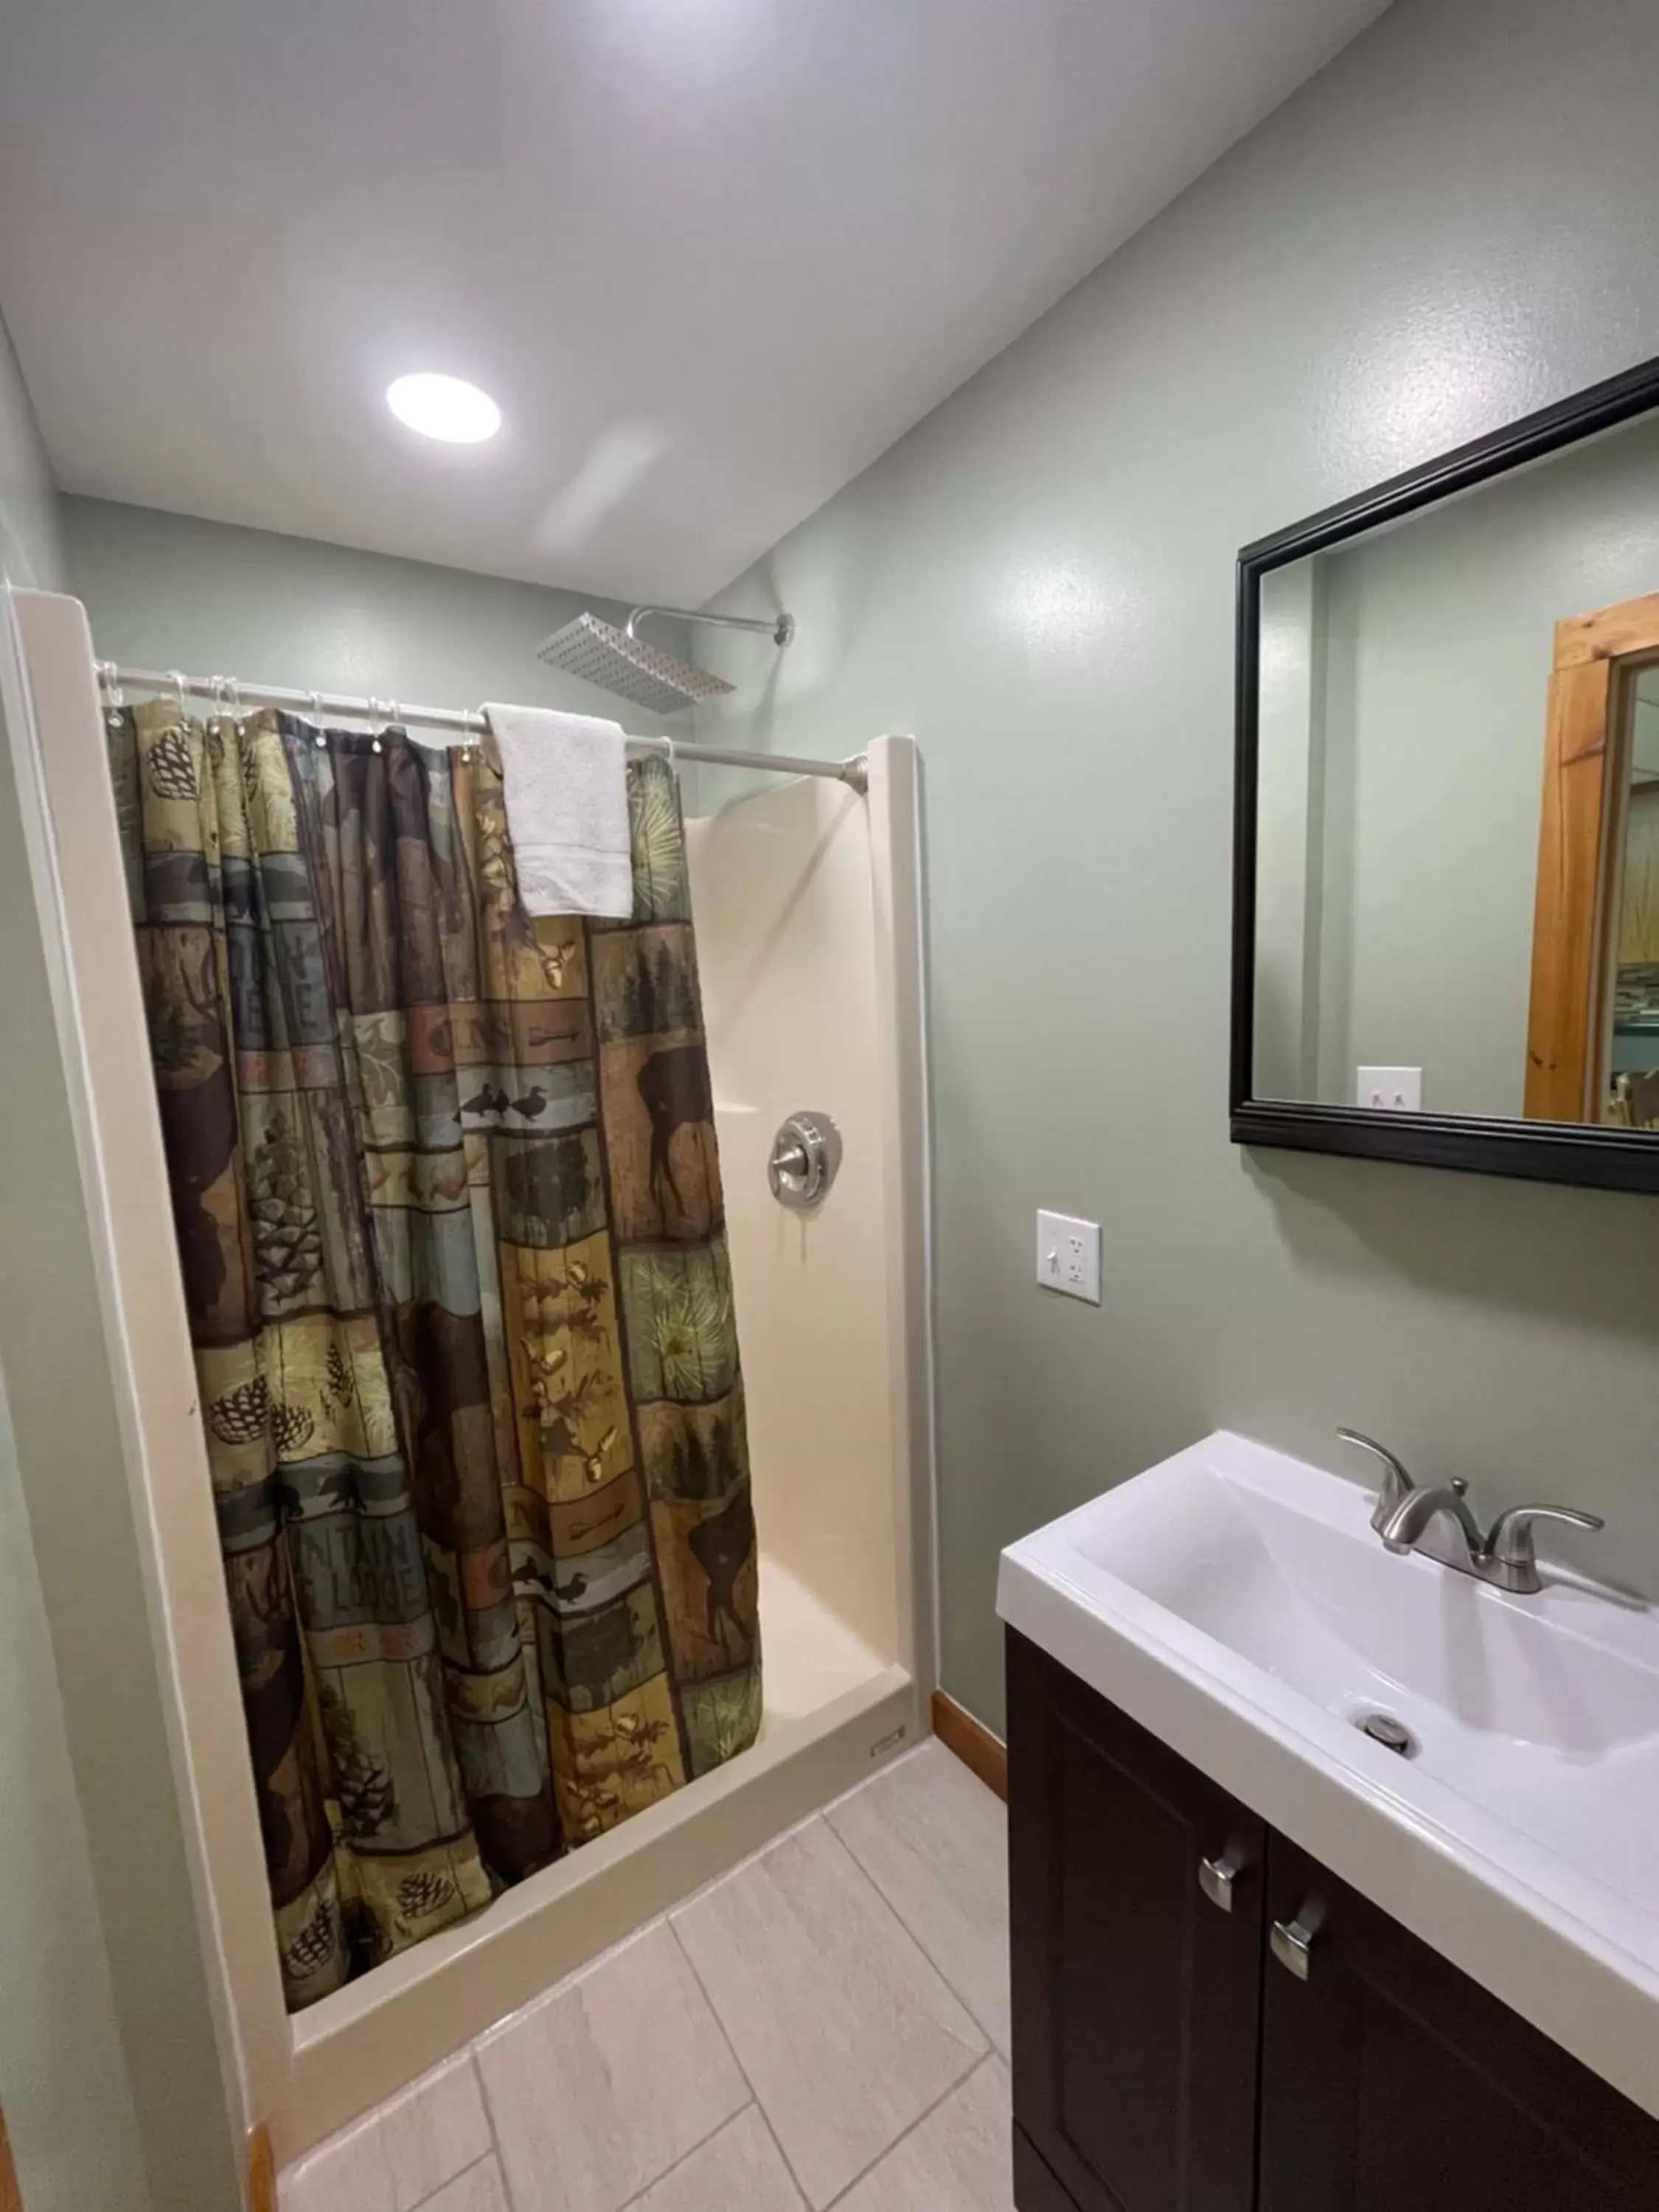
column 1068, row 1255
column 1391, row 1090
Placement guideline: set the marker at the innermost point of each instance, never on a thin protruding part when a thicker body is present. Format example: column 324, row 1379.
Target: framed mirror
column 1446, row 887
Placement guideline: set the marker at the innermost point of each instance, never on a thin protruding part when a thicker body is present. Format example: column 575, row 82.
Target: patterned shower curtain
column 450, row 1224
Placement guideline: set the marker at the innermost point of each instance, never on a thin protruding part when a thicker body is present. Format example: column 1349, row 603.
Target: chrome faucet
column 1511, row 1560
column 1441, row 1524
column 1407, row 1527
column 1397, row 1484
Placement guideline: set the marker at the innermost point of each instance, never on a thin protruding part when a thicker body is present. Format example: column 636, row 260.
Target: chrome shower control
column 805, row 1154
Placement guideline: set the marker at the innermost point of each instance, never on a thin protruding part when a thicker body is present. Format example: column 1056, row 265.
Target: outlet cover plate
column 1068, row 1256
column 1390, row 1090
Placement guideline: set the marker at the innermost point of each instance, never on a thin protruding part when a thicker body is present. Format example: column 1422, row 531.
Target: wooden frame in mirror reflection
column 1446, row 863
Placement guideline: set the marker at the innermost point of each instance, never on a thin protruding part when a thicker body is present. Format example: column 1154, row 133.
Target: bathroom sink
column 1238, row 1604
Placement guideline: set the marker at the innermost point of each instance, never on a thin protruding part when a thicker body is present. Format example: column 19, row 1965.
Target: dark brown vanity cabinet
column 1170, row 2057
column 1135, row 1999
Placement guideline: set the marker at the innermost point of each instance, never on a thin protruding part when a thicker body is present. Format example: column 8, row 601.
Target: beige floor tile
column 959, row 2159
column 480, row 2189
column 600, row 2088
column 738, row 2170
column 934, row 1841
column 401, row 2153
column 342, row 2174
column 846, row 2032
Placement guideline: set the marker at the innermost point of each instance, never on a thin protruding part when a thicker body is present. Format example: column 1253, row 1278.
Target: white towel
column 566, row 788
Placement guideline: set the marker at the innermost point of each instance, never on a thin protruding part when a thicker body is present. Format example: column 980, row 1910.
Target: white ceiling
column 711, row 256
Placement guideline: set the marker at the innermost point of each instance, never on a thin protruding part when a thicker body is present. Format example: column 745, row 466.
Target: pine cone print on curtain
column 170, row 764
column 287, row 1245
column 363, row 1782
column 491, row 1558
column 354, row 1758
column 241, row 1415
column 569, row 1058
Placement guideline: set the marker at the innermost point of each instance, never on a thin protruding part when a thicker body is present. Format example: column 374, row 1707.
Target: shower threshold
column 834, row 1709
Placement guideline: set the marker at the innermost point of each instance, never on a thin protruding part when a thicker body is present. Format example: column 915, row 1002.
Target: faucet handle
column 1511, row 1544
column 1397, row 1483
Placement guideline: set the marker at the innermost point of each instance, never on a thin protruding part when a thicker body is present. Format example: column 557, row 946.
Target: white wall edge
column 74, row 845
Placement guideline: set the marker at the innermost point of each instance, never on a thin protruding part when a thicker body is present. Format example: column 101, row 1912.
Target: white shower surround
column 810, row 933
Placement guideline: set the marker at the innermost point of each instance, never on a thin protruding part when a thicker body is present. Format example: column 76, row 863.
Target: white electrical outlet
column 1392, row 1090
column 1068, row 1256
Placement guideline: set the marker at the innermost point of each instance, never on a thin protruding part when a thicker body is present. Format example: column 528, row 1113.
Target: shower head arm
column 779, row 629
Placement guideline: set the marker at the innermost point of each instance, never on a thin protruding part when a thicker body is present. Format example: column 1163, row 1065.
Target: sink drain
column 1392, row 1735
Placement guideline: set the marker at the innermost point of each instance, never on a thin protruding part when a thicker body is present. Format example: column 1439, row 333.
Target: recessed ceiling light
column 444, row 407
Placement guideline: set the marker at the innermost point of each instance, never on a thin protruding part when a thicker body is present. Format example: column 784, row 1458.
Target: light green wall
column 108, row 2071
column 63, row 2082
column 165, row 591
column 1456, row 221
column 31, row 544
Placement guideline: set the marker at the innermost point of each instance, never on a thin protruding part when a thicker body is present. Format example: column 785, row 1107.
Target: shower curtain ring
column 114, row 698
column 316, row 698
column 180, row 684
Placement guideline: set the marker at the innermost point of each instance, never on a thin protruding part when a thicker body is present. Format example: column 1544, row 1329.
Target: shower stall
column 806, row 899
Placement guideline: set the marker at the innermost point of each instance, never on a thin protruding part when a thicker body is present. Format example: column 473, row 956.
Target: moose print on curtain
column 452, row 1235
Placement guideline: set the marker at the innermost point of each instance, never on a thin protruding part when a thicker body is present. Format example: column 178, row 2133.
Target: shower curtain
column 450, row 1224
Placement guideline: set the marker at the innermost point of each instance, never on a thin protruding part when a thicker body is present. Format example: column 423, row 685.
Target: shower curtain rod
column 233, row 696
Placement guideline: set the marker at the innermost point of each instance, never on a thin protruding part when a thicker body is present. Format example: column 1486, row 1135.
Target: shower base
column 834, row 1708
column 809, row 1656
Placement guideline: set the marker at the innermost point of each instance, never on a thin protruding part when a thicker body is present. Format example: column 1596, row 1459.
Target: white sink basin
column 1238, row 1604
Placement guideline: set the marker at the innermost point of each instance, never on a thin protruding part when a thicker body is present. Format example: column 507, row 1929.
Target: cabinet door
column 1135, row 1996
column 1390, row 2078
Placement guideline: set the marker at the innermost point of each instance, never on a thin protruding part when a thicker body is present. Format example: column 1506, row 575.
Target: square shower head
column 627, row 665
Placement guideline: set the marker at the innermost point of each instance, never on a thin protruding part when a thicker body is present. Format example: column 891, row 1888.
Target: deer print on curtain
column 473, row 1400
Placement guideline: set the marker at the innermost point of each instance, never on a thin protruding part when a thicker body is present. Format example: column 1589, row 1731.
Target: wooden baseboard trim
column 261, row 2170
column 11, row 2197
column 972, row 1742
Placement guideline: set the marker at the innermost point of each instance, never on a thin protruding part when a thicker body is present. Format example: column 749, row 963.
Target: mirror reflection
column 1457, row 867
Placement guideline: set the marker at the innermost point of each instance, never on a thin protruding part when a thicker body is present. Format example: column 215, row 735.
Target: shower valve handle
column 805, row 1154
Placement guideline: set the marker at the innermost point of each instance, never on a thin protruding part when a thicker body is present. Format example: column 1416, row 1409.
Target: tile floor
column 828, row 2025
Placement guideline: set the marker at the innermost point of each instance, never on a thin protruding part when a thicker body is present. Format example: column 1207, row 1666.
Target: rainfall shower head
column 620, row 660
column 616, row 662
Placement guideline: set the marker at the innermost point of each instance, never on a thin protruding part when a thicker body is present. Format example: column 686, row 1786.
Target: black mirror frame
column 1575, row 1152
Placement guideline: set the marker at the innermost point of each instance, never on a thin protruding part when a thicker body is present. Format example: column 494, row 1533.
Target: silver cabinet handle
column 1292, row 1942
column 1216, row 1876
